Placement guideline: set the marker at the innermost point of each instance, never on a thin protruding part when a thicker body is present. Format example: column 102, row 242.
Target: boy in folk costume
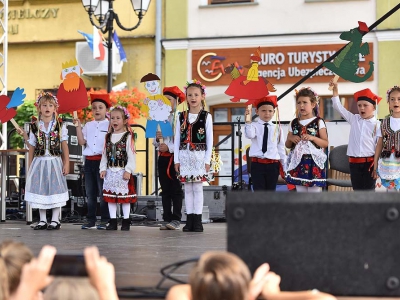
column 267, row 150
column 171, row 187
column 365, row 132
column 92, row 136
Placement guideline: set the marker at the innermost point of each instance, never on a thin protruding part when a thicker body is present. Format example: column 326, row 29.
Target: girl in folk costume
column 46, row 185
column 118, row 162
column 193, row 148
column 387, row 153
column 307, row 138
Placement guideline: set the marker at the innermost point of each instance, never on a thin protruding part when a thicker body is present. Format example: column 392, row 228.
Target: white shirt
column 394, row 123
column 305, row 122
column 94, row 133
column 130, row 165
column 364, row 133
column 52, row 124
column 168, row 140
column 276, row 140
column 209, row 138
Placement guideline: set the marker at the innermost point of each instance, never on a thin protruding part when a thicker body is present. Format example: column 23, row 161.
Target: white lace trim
column 115, row 183
column 389, row 168
column 305, row 147
column 46, row 202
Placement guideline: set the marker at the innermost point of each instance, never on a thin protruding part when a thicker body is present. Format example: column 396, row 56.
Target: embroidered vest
column 390, row 139
column 116, row 153
column 193, row 134
column 54, row 139
column 311, row 128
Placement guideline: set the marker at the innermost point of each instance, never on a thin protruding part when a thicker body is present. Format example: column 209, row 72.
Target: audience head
column 70, row 288
column 220, row 275
column 13, row 256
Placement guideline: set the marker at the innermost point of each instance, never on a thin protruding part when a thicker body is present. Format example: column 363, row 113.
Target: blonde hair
column 220, row 275
column 13, row 256
column 46, row 97
column 70, row 288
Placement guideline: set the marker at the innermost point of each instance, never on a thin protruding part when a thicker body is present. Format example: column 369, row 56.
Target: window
column 328, row 113
column 227, row 1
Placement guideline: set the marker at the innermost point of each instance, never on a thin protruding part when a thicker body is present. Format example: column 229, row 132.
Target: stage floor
column 138, row 254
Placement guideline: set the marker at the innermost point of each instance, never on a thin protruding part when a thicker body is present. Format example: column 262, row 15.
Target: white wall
column 276, row 17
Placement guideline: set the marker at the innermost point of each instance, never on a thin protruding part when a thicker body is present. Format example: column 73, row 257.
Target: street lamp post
column 103, row 12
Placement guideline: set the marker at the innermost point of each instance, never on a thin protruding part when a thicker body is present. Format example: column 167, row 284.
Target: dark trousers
column 264, row 176
column 172, row 193
column 361, row 176
column 94, row 189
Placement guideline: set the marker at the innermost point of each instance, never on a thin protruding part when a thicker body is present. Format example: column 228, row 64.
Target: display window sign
column 280, row 65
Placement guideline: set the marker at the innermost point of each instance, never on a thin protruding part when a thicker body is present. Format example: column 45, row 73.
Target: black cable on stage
column 156, row 292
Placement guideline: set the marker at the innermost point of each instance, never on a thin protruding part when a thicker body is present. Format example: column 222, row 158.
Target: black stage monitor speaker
column 347, row 244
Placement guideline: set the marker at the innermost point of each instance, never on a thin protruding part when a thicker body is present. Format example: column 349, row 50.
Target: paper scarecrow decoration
column 7, row 106
column 157, row 107
column 345, row 64
column 72, row 95
column 250, row 87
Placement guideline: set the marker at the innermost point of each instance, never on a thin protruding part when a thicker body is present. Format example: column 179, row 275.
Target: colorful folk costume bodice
column 192, row 148
column 389, row 161
column 306, row 161
column 52, row 142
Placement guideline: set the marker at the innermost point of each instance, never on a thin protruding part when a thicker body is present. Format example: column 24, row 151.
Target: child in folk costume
column 172, row 194
column 92, row 136
column 267, row 150
column 307, row 138
column 117, row 164
column 46, row 185
column 193, row 148
column 387, row 154
column 364, row 135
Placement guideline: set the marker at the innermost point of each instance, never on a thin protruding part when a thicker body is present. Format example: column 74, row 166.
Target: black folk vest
column 116, row 153
column 390, row 139
column 311, row 128
column 193, row 134
column 54, row 139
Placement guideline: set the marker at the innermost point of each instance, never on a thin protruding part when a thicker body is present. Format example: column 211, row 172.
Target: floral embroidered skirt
column 118, row 190
column 389, row 172
column 46, row 186
column 192, row 166
column 307, row 173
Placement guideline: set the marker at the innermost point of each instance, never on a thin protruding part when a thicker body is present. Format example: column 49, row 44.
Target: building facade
column 204, row 37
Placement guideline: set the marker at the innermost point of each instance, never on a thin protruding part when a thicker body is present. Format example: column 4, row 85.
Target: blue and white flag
column 89, row 39
column 122, row 54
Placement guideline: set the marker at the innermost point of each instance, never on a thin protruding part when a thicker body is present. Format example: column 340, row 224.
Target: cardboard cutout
column 7, row 105
column 250, row 87
column 157, row 106
column 72, row 94
column 345, row 64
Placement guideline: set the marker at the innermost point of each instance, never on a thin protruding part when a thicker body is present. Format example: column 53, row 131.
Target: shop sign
column 280, row 65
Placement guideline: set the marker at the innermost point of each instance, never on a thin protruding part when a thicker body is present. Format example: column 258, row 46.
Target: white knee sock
column 56, row 214
column 112, row 208
column 189, row 198
column 42, row 214
column 198, row 198
column 126, row 210
column 305, row 189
